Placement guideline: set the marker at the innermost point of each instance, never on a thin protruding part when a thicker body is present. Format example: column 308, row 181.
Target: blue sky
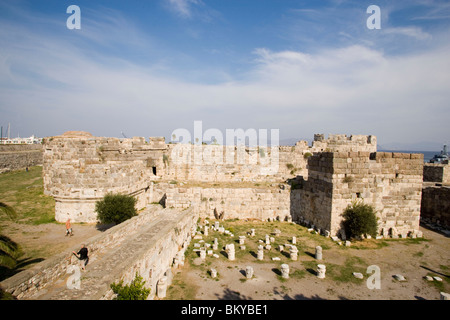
column 147, row 68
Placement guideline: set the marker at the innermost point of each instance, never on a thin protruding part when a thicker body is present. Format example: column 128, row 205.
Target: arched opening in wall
column 154, row 171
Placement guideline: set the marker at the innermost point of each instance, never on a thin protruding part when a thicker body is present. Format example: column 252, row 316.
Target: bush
column 115, row 208
column 134, row 291
column 360, row 219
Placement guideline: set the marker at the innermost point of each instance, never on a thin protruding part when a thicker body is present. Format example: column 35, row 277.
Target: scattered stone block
column 445, row 296
column 229, row 249
column 276, row 232
column 334, row 238
column 161, row 288
column 249, row 272
column 399, row 277
column 213, row 273
column 285, row 271
column 318, row 253
column 358, row 275
column 260, row 254
column 438, row 279
column 293, row 252
column 348, row 243
column 276, row 259
column 429, row 278
column 321, row 270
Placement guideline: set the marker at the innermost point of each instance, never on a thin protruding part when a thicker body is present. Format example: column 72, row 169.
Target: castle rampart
column 80, row 169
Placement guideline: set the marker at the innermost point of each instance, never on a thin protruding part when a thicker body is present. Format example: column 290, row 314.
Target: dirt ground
column 413, row 259
column 39, row 242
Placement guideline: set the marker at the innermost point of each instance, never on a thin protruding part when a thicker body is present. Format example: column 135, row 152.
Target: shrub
column 134, row 291
column 360, row 219
column 115, row 208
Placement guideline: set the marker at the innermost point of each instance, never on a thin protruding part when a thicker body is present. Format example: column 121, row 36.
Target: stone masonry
column 325, row 177
column 15, row 157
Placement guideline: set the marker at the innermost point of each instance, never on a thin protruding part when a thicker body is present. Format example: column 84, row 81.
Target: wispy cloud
column 413, row 32
column 183, row 7
column 51, row 82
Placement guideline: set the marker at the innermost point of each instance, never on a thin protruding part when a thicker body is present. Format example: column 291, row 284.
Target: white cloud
column 414, row 32
column 183, row 7
column 50, row 85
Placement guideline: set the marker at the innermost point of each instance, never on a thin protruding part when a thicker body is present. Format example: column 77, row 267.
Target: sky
column 148, row 68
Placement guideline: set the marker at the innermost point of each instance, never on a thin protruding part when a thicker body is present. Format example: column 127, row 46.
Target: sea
column 427, row 155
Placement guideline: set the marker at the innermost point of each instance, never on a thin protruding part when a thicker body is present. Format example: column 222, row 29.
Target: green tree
column 135, row 291
column 9, row 250
column 115, row 208
column 360, row 219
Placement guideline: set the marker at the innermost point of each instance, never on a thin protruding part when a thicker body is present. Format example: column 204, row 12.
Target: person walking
column 68, row 228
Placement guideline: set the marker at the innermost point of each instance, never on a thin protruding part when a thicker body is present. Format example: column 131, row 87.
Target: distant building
column 18, row 140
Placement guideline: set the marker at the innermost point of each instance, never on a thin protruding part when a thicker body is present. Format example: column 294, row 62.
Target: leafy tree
column 135, row 291
column 360, row 219
column 115, row 208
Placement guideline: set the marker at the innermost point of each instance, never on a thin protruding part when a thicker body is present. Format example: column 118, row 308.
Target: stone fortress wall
column 80, row 169
column 19, row 156
column 435, row 209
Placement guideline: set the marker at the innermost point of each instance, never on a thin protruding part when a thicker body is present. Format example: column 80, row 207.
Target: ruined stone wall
column 41, row 275
column 312, row 202
column 151, row 254
column 241, row 203
column 391, row 182
column 436, row 172
column 436, row 205
column 239, row 163
column 15, row 157
column 79, row 170
column 344, row 143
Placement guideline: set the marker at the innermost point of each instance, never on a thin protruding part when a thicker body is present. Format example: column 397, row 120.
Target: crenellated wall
column 391, row 182
column 80, row 169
